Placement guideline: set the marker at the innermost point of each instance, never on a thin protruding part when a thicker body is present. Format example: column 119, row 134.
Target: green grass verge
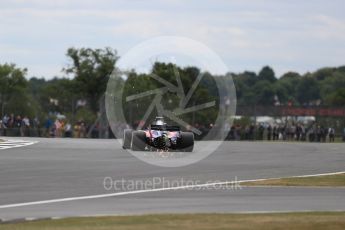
column 307, row 220
column 330, row 180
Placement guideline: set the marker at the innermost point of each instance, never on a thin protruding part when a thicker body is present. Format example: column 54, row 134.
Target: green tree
column 244, row 83
column 206, row 91
column 264, row 93
column 336, row 98
column 285, row 87
column 58, row 95
column 267, row 73
column 330, row 85
column 91, row 69
column 308, row 90
column 13, row 92
column 323, row 73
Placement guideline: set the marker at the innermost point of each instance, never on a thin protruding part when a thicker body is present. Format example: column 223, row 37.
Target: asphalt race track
column 67, row 168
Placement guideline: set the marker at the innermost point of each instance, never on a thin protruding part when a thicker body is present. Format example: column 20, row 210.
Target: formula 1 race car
column 158, row 136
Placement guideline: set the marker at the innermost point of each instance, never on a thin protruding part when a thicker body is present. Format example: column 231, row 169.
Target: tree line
column 78, row 92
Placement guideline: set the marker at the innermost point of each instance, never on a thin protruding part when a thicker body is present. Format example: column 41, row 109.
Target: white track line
column 147, row 191
column 8, row 144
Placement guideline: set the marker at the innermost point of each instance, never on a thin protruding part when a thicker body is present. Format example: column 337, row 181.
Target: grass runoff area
column 301, row 220
column 327, row 180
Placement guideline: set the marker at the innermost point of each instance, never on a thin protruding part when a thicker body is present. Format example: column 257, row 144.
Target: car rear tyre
column 187, row 141
column 127, row 138
column 138, row 141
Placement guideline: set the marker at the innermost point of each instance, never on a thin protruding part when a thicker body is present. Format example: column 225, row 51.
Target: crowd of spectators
column 293, row 132
column 17, row 125
column 63, row 128
column 11, row 125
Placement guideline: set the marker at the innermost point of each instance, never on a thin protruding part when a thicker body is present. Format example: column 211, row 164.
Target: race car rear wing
column 165, row 127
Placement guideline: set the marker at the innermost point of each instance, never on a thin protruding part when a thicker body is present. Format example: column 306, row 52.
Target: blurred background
column 286, row 59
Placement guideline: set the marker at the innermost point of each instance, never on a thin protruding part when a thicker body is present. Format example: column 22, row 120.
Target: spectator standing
column 238, row 133
column 261, row 132
column 1, row 128
column 246, row 132
column 311, row 134
column 17, row 125
column 11, row 121
column 251, row 132
column 68, row 130
column 58, row 128
column 36, row 127
column 25, row 127
column 282, row 133
column 232, row 133
column 318, row 134
column 298, row 132
column 76, row 129
column 286, row 133
column 331, row 134
column 4, row 124
column 47, row 127
column 274, row 133
column 269, row 132
column 293, row 132
column 95, row 131
column 303, row 133
column 323, row 134
column 82, row 130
